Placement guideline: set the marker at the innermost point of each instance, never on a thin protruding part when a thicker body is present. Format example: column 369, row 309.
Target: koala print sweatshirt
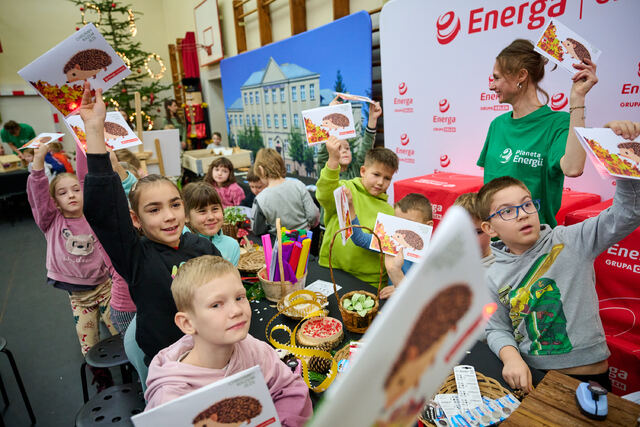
column 74, row 255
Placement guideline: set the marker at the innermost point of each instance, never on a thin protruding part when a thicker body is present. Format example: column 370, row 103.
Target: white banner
column 437, row 61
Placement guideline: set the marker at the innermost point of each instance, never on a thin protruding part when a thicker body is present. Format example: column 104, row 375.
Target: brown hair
column 634, row 146
column 55, row 147
column 486, row 193
column 469, row 202
column 581, row 51
column 195, row 273
column 251, row 175
column 11, row 126
column 167, row 104
column 198, row 195
column 271, row 163
column 417, row 202
column 56, row 179
column 28, row 150
column 519, row 55
column 130, row 168
column 136, row 190
column 127, row 156
column 382, row 155
column 225, row 163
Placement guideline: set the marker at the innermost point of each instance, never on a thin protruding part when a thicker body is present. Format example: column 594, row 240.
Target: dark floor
column 37, row 323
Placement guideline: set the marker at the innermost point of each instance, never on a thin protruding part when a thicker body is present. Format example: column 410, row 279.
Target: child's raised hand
column 625, row 128
column 349, row 196
column 38, row 156
column 375, row 111
column 92, row 111
column 336, row 100
column 333, row 148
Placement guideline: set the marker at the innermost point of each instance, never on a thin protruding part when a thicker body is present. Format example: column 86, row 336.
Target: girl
column 147, row 263
column 287, row 199
column 74, row 259
column 205, row 217
column 220, row 175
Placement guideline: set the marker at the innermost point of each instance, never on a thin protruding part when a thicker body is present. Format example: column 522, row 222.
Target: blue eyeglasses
column 511, row 212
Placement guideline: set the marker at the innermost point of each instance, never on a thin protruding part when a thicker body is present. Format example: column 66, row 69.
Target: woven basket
column 230, row 230
column 488, row 387
column 351, row 319
column 297, row 314
column 275, row 291
column 343, row 353
column 251, row 262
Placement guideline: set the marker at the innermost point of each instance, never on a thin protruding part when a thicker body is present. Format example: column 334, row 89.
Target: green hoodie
column 362, row 263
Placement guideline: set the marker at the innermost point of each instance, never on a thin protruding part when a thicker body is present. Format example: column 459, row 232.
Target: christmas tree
column 116, row 21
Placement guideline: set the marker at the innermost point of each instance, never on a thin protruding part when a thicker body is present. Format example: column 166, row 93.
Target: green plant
column 360, row 303
column 233, row 215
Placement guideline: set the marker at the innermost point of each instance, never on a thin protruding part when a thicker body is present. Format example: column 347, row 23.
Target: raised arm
column 329, row 178
column 42, row 205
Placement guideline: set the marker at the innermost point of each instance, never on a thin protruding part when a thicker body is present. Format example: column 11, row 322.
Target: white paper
column 322, row 286
column 183, row 410
column 564, row 47
column 350, row 97
column 170, row 146
column 344, row 213
column 85, row 55
column 611, row 154
column 48, row 138
column 117, row 133
column 391, row 378
column 395, row 233
column 334, row 120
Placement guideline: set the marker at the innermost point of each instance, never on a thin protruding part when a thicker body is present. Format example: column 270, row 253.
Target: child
column 55, row 148
column 369, row 198
column 468, row 201
column 215, row 315
column 544, row 283
column 146, row 263
column 414, row 207
column 287, row 199
column 127, row 156
column 205, row 217
column 74, row 258
column 27, row 155
column 255, row 185
column 220, row 175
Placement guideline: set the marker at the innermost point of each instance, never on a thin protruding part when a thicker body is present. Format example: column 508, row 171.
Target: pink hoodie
column 230, row 195
column 169, row 379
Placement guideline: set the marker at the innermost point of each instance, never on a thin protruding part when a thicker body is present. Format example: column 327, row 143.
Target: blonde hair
column 269, row 164
column 195, row 273
column 468, row 201
column 56, row 179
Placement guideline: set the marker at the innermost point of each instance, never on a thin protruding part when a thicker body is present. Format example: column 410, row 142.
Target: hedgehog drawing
column 335, row 121
column 114, row 131
column 232, row 411
column 630, row 150
column 576, row 50
column 44, row 139
column 86, row 64
column 408, row 239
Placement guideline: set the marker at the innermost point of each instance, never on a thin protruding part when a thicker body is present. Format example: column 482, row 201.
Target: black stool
column 108, row 353
column 114, row 406
column 23, row 392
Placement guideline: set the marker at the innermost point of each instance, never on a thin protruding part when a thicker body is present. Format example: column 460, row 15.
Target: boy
column 544, row 283
column 369, row 198
column 256, row 185
column 414, row 207
column 214, row 313
column 468, row 201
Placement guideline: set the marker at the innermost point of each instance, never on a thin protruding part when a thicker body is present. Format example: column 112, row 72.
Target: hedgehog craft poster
column 611, row 154
column 423, row 331
column 240, row 399
column 564, row 47
column 334, row 120
column 117, row 133
column 395, row 233
column 43, row 138
column 59, row 74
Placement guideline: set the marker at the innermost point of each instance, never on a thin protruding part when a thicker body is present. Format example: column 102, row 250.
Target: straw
column 266, row 245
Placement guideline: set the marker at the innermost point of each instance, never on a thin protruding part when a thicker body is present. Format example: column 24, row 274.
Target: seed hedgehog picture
column 408, row 239
column 232, row 411
column 335, row 121
column 114, row 131
column 86, row 64
column 576, row 50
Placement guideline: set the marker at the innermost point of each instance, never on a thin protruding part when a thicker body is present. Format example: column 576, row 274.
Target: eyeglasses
column 512, row 212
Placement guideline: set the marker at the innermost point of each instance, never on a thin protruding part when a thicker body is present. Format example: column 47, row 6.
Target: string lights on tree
column 156, row 57
column 92, row 7
column 132, row 23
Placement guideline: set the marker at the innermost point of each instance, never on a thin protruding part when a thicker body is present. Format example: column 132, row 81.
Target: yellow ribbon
column 302, row 353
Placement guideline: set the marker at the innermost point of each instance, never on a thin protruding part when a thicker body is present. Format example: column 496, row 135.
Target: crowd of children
column 123, row 244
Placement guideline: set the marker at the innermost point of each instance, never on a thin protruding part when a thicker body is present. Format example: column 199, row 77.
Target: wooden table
column 553, row 403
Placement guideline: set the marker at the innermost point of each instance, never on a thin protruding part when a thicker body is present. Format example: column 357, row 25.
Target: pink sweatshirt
column 230, row 195
column 74, row 255
column 169, row 379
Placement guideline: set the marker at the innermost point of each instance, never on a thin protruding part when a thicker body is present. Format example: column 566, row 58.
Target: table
column 553, row 403
column 13, row 192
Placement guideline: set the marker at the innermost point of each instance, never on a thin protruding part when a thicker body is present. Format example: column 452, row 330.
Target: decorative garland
column 124, row 59
column 94, row 7
column 155, row 76
column 132, row 23
column 143, row 115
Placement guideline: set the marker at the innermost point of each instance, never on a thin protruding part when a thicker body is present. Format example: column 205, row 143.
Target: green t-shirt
column 529, row 149
column 26, row 134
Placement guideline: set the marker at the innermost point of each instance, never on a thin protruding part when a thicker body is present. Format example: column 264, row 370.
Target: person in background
column 468, row 201
column 256, row 185
column 56, row 150
column 172, row 120
column 124, row 155
column 27, row 155
column 16, row 135
column 216, row 139
column 220, row 175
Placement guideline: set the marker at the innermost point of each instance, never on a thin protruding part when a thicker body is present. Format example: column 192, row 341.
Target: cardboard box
column 10, row 163
column 198, row 161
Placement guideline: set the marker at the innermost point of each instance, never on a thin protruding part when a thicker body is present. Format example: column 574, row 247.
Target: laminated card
column 611, row 154
column 344, row 214
column 43, row 138
column 117, row 133
column 59, row 74
column 350, row 97
column 241, row 399
column 395, row 233
column 422, row 332
column 334, row 120
column 564, row 47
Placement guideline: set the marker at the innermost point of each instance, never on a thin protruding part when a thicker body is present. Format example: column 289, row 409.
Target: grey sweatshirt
column 547, row 302
column 289, row 201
